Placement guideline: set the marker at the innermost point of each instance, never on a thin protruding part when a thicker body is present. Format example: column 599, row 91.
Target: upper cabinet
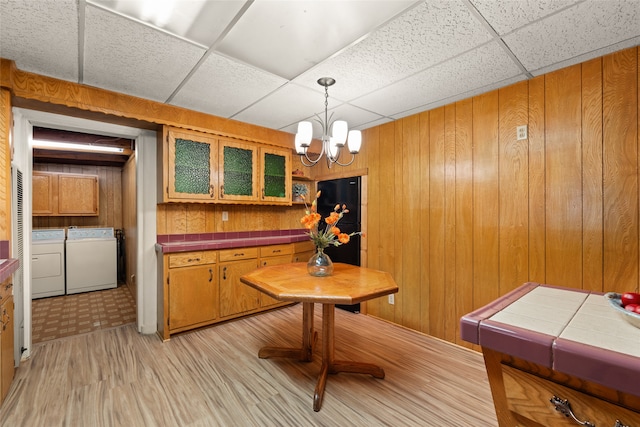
column 275, row 175
column 64, row 194
column 190, row 166
column 199, row 167
column 238, row 173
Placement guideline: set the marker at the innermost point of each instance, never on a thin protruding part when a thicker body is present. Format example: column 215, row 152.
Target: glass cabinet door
column 192, row 166
column 238, row 171
column 275, row 175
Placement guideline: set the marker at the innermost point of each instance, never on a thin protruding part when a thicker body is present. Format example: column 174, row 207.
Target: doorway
column 144, row 223
column 96, row 290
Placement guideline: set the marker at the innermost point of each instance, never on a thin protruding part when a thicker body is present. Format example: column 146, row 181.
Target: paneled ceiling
column 258, row 61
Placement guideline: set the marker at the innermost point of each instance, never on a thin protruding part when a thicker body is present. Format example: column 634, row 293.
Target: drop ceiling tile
column 287, row 105
column 40, row 38
column 576, row 31
column 200, row 21
column 223, row 87
column 506, row 16
column 457, row 97
column 125, row 56
column 420, row 38
column 288, row 37
column 478, row 68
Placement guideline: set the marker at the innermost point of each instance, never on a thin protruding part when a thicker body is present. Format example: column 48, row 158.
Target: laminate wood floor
column 213, row 377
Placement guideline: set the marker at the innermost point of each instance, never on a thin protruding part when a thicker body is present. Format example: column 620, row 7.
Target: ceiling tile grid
column 259, row 61
column 586, row 27
column 127, row 57
column 223, row 87
column 506, row 16
column 477, row 68
column 288, row 37
column 31, row 35
column 421, row 38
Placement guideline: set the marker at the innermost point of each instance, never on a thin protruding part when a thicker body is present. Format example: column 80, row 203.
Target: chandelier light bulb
column 305, row 133
column 339, row 133
column 354, row 141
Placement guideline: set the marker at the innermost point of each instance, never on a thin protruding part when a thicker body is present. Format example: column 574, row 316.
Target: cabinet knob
column 222, row 191
column 210, row 275
column 212, row 191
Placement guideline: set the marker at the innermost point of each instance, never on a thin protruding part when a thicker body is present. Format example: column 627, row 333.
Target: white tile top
column 544, row 310
column 598, row 325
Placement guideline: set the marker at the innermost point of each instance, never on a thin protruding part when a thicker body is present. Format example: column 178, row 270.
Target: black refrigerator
column 343, row 191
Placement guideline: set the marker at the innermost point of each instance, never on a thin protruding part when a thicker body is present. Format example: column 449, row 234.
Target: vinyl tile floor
column 67, row 315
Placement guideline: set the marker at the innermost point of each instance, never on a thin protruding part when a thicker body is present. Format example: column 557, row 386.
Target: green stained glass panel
column 238, row 171
column 192, row 168
column 274, row 179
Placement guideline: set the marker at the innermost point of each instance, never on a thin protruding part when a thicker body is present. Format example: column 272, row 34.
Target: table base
column 329, row 364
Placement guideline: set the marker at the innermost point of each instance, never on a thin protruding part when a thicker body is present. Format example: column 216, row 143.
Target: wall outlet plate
column 521, row 132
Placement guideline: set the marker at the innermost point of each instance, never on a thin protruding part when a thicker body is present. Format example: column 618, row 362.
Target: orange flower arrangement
column 331, row 235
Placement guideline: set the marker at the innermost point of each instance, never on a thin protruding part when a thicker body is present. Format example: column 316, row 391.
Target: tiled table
column 570, row 336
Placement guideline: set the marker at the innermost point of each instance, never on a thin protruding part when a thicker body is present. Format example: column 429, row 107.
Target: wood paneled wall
column 110, row 185
column 461, row 212
column 5, row 165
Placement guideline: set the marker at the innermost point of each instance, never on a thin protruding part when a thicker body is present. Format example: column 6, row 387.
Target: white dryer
column 91, row 259
column 47, row 263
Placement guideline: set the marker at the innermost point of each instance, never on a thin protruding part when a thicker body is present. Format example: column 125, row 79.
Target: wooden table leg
column 309, row 338
column 331, row 366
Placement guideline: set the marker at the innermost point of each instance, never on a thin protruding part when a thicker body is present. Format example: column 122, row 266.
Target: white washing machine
column 47, row 263
column 91, row 259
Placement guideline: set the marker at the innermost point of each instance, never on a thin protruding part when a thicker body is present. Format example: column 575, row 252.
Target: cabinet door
column 191, row 166
column 238, row 172
column 7, row 365
column 266, row 300
column 235, row 296
column 275, row 175
column 193, row 295
column 44, row 185
column 78, row 195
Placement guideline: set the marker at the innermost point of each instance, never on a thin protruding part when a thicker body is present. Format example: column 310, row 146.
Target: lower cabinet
column 235, row 296
column 201, row 288
column 191, row 290
column 7, row 363
column 273, row 255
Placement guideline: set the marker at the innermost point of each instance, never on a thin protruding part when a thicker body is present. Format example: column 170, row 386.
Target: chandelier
column 333, row 144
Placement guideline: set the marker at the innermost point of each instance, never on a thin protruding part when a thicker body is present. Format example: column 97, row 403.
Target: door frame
column 145, row 155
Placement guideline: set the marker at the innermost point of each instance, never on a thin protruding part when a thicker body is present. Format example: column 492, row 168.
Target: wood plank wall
column 130, row 224
column 5, row 165
column 110, row 203
column 461, row 212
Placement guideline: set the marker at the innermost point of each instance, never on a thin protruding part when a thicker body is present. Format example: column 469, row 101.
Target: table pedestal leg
column 309, row 338
column 331, row 366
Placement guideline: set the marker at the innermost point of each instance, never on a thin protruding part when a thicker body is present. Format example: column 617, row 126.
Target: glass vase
column 320, row 264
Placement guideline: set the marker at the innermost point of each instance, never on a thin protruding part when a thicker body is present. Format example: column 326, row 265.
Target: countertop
column 215, row 241
column 7, row 267
column 568, row 330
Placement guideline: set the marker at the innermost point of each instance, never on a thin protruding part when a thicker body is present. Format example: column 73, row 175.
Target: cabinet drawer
column 238, row 253
column 305, row 246
column 275, row 250
column 185, row 259
column 529, row 397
